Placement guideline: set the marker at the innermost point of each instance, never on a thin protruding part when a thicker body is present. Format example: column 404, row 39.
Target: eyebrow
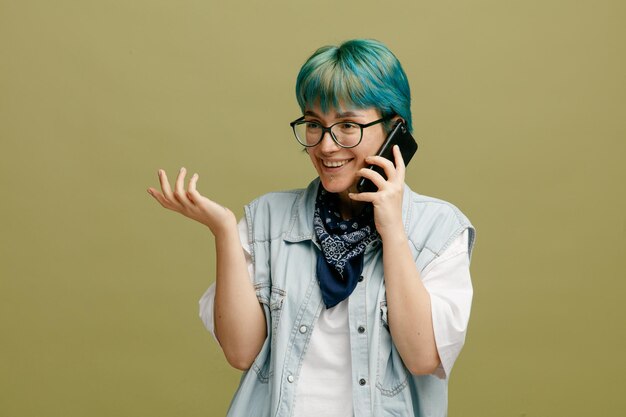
column 337, row 115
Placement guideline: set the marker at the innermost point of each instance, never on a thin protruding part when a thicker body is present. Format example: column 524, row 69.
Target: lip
column 326, row 164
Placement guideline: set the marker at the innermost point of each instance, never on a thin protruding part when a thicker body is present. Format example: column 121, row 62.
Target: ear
column 396, row 118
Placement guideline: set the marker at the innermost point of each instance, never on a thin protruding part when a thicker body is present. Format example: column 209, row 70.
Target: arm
column 239, row 318
column 408, row 307
column 408, row 301
column 447, row 281
column 206, row 303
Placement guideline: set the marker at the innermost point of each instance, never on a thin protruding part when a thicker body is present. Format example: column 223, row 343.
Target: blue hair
column 362, row 73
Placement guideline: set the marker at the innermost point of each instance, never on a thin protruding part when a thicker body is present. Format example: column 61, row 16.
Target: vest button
column 290, row 378
column 303, row 329
column 362, row 381
column 361, row 329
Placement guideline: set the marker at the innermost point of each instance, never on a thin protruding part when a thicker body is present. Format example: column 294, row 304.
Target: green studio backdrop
column 519, row 112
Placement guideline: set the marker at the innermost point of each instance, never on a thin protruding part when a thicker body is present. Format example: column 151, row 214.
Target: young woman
column 341, row 303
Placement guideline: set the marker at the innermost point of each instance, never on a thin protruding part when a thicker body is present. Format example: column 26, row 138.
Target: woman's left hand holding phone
column 387, row 200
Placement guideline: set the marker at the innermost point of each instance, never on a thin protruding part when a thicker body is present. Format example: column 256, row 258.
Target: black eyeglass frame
column 325, row 129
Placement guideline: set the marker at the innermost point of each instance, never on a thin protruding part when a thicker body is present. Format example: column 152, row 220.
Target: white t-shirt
column 325, row 383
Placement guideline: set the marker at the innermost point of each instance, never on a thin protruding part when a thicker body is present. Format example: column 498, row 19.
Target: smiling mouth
column 335, row 164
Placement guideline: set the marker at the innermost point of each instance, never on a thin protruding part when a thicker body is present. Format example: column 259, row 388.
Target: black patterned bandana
column 343, row 243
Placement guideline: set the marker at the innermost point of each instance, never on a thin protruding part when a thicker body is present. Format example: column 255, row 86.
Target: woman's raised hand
column 192, row 204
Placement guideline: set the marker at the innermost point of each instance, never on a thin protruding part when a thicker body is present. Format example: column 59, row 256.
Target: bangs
column 330, row 86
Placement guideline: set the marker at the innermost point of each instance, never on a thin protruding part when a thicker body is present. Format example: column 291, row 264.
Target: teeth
column 334, row 164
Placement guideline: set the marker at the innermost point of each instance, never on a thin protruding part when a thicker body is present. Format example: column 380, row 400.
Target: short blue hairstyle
column 362, row 73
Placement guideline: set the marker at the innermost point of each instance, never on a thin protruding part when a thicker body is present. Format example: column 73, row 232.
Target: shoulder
column 434, row 223
column 434, row 209
column 276, row 199
column 282, row 212
column 280, row 201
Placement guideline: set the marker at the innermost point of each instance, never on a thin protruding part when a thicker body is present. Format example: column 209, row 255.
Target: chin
column 334, row 186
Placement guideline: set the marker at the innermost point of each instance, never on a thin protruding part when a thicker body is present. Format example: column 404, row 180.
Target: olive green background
column 519, row 108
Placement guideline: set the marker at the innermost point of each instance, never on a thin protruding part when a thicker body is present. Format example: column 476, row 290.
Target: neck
column 348, row 207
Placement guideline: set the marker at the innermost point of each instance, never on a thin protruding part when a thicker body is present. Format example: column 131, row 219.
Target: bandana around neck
column 343, row 243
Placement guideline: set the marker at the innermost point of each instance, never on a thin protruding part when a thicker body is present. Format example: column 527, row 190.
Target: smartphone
column 400, row 136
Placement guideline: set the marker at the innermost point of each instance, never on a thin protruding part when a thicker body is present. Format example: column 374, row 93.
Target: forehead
column 341, row 111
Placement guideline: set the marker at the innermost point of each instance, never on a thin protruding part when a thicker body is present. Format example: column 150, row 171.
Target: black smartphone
column 400, row 136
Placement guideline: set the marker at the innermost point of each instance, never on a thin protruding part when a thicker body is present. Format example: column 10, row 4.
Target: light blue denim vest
column 284, row 253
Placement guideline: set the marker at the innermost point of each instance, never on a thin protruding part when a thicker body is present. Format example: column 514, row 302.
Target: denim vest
column 284, row 252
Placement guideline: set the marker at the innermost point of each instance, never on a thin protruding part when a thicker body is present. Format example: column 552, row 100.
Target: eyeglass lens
column 345, row 133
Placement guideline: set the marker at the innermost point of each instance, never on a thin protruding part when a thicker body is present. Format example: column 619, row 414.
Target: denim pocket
column 277, row 296
column 391, row 376
column 272, row 301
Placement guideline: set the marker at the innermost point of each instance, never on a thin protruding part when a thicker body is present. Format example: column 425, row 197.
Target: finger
column 366, row 197
column 192, row 193
column 179, row 188
column 400, row 166
column 375, row 177
column 160, row 198
column 153, row 192
column 165, row 185
column 384, row 163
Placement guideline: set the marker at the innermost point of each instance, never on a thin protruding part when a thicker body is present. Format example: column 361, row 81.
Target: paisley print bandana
column 343, row 243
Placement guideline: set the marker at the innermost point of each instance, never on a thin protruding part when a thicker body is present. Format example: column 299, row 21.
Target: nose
column 328, row 144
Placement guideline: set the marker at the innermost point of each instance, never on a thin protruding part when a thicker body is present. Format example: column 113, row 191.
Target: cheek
column 373, row 145
column 313, row 159
column 369, row 151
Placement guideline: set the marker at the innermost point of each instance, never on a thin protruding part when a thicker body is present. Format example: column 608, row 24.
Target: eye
column 347, row 127
column 312, row 125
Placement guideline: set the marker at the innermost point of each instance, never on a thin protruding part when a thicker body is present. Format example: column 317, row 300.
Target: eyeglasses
column 345, row 134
